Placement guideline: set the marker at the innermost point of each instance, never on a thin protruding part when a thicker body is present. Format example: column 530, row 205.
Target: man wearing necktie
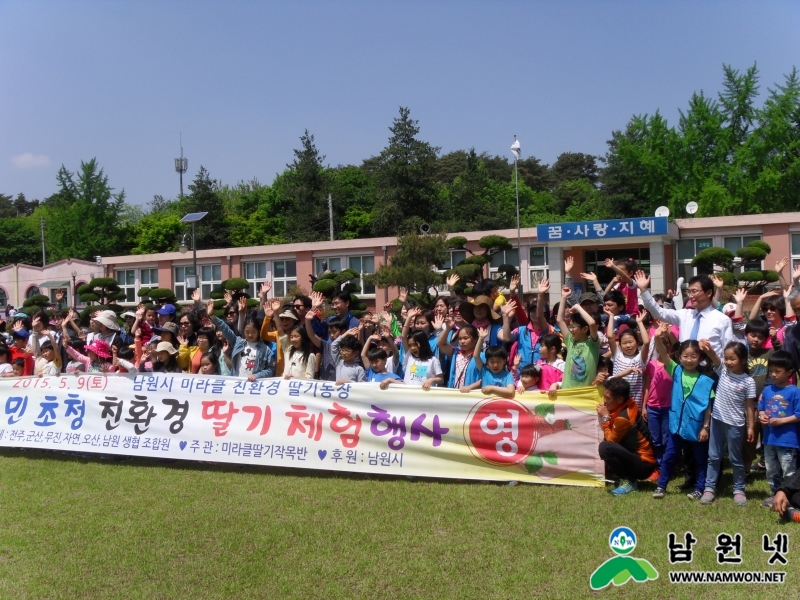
column 702, row 321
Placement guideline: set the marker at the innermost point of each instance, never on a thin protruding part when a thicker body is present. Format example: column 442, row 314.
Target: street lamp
column 191, row 218
column 74, row 290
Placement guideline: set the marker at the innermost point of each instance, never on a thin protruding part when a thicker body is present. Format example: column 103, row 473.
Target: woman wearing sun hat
column 480, row 313
column 166, row 359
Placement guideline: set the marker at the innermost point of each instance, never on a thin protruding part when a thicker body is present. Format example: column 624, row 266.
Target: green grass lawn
column 84, row 528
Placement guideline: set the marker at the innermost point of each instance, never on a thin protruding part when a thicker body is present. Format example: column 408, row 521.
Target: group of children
column 691, row 398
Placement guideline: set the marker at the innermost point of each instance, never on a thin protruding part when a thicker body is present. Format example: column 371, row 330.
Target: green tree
column 83, row 217
column 474, row 202
column 414, row 266
column 572, row 166
column 405, row 179
column 213, row 231
column 20, row 244
column 307, row 187
column 157, row 232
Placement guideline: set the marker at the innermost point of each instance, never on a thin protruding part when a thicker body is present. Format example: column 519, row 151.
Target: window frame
column 344, row 263
column 208, row 286
column 685, row 268
column 537, row 272
column 131, row 288
column 287, row 281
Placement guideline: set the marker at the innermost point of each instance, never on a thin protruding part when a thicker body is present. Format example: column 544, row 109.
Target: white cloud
column 29, row 160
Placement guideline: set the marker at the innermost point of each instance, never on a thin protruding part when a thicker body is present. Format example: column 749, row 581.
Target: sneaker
column 687, row 485
column 659, row 493
column 759, row 466
column 708, row 497
column 739, row 499
column 513, row 483
column 625, row 487
column 792, row 514
column 695, row 495
column 768, row 502
column 654, row 476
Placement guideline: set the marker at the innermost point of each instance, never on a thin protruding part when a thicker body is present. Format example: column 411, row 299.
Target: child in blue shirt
column 779, row 413
column 377, row 372
column 496, row 379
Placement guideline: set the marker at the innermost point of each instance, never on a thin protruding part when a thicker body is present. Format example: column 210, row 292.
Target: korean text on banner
column 310, row 424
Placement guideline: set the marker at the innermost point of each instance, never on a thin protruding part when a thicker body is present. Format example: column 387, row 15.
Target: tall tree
column 84, row 216
column 572, row 166
column 307, row 186
column 20, row 244
column 405, row 179
column 213, row 231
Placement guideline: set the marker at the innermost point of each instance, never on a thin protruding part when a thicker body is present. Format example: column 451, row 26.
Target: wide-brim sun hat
column 287, row 314
column 166, row 347
column 104, row 319
column 488, row 303
column 100, row 348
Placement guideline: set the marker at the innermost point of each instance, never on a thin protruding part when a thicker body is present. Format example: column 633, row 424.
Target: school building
column 664, row 248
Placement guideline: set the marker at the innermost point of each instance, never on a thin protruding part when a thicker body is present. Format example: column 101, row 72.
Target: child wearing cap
column 19, row 350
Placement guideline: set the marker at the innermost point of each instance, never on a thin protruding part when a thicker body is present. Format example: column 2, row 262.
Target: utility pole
column 41, row 224
column 330, row 213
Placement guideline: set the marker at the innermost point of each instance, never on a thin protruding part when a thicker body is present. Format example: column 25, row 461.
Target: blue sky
column 242, row 80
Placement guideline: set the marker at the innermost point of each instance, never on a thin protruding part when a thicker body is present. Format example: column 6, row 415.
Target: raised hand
column 569, row 262
column 544, row 286
column 513, row 284
column 226, row 346
column 670, row 294
column 414, row 313
column 403, row 295
column 589, row 277
column 140, row 313
column 781, row 264
column 705, row 345
column 275, row 305
column 786, row 292
column 353, row 331
column 317, row 300
column 717, row 281
column 642, row 280
column 517, row 360
column 183, row 341
column 609, row 262
column 796, row 272
column 265, row 288
column 641, row 316
column 483, row 332
column 196, row 296
column 210, row 308
column 452, row 280
column 438, row 322
column 566, row 292
column 242, row 304
column 739, row 295
column 59, row 295
column 508, row 308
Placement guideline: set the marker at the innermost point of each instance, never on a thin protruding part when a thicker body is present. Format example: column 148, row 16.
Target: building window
column 182, row 292
column 210, row 280
column 256, row 274
column 538, row 266
column 795, row 250
column 504, row 257
column 54, row 299
column 323, row 265
column 126, row 280
column 148, row 278
column 3, row 298
column 32, row 291
column 687, row 250
column 594, row 262
column 364, row 265
column 284, row 277
column 740, row 241
column 454, row 258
